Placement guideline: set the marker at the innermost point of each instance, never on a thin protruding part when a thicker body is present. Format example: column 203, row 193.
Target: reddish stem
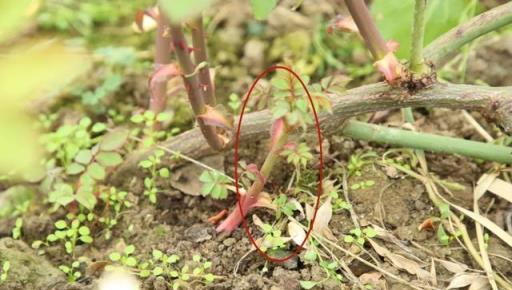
column 158, row 97
column 200, row 56
column 367, row 28
column 191, row 80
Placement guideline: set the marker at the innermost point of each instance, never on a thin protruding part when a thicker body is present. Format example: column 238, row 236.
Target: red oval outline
column 235, row 161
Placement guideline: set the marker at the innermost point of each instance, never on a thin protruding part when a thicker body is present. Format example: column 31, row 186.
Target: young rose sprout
column 291, row 110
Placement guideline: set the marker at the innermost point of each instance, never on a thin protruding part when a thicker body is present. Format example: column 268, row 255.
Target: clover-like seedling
column 163, row 265
column 148, row 120
column 125, row 258
column 272, row 238
column 359, row 236
column 89, row 165
column 362, row 185
column 151, row 165
column 69, row 232
column 72, row 272
column 214, row 184
column 117, row 202
column 283, row 206
column 358, row 161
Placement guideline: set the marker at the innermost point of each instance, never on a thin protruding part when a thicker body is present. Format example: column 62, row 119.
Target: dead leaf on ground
column 401, row 262
column 297, row 233
column 186, row 178
column 375, row 279
column 323, row 217
column 463, row 280
column 453, row 267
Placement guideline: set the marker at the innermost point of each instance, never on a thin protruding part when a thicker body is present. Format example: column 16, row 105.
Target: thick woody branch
column 494, row 103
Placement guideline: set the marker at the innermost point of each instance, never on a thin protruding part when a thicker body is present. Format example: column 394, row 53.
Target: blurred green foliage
column 394, row 19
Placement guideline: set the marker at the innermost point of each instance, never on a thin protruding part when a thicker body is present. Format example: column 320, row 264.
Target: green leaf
column 157, row 271
column 109, row 159
column 83, row 156
column 61, row 224
column 114, row 140
column 96, row 171
column 145, row 164
column 261, row 8
column 439, row 14
column 137, row 119
column 115, row 256
column 307, row 284
column 63, row 194
column 164, row 172
column 130, row 249
column 157, row 254
column 74, row 168
column 348, row 239
column 85, row 197
column 84, row 231
column 162, row 117
column 99, row 127
column 180, row 11
column 86, row 239
column 131, row 262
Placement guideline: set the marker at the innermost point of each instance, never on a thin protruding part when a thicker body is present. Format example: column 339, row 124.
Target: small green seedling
column 72, row 272
column 89, row 166
column 151, row 166
column 125, row 258
column 6, row 266
column 358, row 161
column 362, row 185
column 69, row 232
column 359, row 236
column 17, row 230
column 272, row 238
column 116, row 201
column 214, row 184
column 148, row 119
column 283, row 206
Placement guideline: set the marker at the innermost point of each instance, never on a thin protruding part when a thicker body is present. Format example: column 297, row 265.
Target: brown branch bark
column 494, row 103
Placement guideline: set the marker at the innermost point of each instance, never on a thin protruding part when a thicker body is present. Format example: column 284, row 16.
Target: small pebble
column 229, row 242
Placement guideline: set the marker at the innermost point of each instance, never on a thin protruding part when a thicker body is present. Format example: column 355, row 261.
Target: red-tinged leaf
column 392, row 45
column 215, row 118
column 253, row 168
column 342, row 23
column 145, row 20
column 139, row 19
column 390, row 67
column 163, row 73
column 276, row 131
column 290, row 146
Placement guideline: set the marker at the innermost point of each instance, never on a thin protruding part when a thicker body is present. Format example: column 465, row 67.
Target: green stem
column 439, row 51
column 367, row 28
column 417, row 65
column 430, row 142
